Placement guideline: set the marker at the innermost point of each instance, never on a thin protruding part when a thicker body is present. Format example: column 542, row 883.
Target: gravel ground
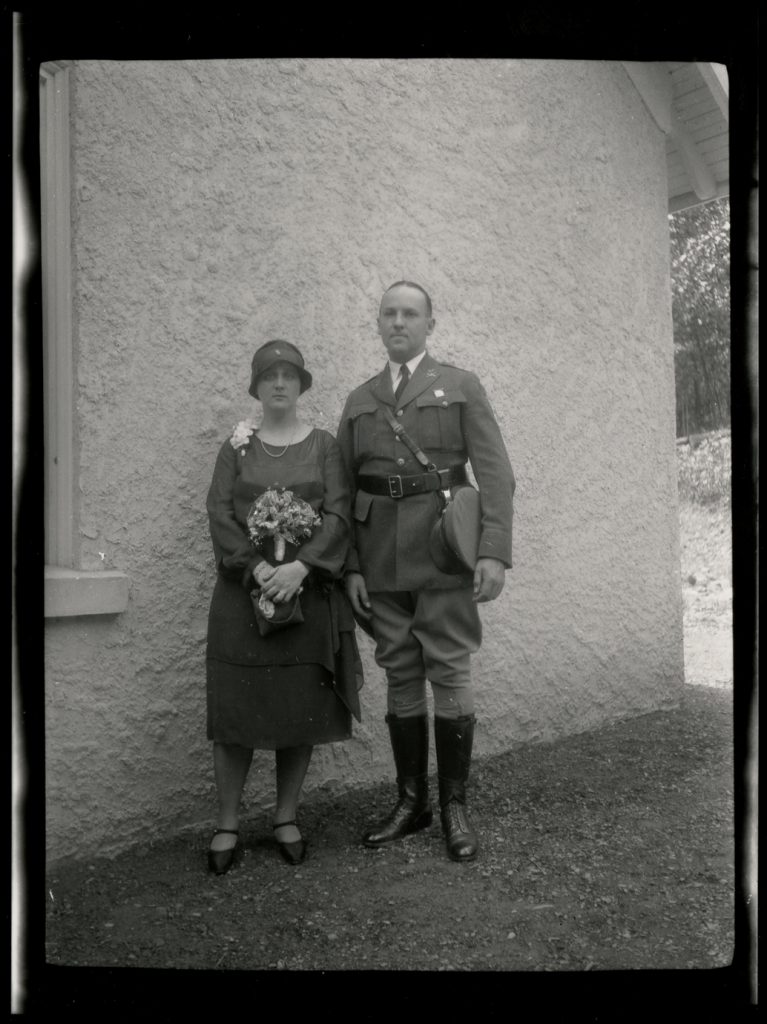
column 608, row 850
column 706, row 567
column 609, row 854
column 607, row 866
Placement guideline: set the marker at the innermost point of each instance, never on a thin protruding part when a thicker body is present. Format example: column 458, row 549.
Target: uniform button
column 400, row 462
column 445, row 404
column 397, row 437
column 399, row 411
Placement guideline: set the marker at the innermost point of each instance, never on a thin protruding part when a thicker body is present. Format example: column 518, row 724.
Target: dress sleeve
column 231, row 545
column 326, row 548
column 346, row 447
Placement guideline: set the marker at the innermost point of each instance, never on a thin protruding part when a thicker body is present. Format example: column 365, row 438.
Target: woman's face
column 279, row 387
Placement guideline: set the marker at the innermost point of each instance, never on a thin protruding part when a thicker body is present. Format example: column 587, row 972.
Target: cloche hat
column 278, row 351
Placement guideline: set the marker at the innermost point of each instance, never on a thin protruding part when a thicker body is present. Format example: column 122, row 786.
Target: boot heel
column 423, row 820
column 412, row 812
column 453, row 739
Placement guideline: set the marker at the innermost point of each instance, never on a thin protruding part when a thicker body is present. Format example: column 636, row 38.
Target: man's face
column 404, row 323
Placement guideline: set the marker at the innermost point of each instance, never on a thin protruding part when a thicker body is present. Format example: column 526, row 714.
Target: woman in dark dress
column 297, row 686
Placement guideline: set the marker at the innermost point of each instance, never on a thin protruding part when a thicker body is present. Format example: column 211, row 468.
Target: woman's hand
column 285, row 581
column 262, row 572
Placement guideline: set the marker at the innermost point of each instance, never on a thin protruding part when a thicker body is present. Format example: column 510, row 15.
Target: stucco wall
column 220, row 203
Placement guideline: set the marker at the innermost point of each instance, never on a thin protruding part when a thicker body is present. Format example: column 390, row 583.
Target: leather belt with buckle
column 396, row 486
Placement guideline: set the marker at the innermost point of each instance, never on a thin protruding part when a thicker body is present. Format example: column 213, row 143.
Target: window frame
column 69, row 590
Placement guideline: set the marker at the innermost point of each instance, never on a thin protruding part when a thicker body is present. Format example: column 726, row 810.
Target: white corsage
column 241, row 434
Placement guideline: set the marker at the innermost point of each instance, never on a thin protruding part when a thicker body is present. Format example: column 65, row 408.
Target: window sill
column 75, row 592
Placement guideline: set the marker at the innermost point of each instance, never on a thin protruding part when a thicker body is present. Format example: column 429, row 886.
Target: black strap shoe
column 294, row 853
column 219, row 861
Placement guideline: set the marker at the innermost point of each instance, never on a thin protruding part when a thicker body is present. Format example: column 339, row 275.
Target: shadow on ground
column 608, row 851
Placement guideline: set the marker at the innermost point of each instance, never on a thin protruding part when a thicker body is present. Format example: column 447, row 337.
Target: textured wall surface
column 220, row 203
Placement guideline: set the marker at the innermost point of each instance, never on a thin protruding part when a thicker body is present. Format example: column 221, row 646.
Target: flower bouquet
column 279, row 514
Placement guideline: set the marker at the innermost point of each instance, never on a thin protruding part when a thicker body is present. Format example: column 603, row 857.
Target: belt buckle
column 392, row 480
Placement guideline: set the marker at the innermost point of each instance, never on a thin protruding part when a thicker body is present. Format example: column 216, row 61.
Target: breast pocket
column 364, row 429
column 439, row 420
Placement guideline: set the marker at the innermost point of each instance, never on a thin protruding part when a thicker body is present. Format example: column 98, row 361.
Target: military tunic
column 446, row 411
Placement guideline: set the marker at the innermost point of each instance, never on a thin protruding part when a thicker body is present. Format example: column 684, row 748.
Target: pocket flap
column 362, row 503
column 428, row 398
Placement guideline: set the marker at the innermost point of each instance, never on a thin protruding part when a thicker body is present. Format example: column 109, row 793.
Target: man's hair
column 412, row 284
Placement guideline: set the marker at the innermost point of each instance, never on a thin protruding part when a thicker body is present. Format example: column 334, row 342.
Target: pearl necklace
column 271, row 454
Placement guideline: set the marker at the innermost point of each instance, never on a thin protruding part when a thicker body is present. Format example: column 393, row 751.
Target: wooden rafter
column 715, row 77
column 653, row 83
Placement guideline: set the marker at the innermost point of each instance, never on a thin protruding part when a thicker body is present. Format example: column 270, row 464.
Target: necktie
column 404, row 377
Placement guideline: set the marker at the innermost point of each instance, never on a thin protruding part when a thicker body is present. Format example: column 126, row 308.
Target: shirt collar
column 411, row 364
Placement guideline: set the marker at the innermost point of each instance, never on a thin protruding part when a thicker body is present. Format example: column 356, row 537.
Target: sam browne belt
column 396, row 486
column 454, row 537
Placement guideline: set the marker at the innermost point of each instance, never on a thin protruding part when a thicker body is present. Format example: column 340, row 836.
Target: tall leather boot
column 453, row 739
column 410, row 746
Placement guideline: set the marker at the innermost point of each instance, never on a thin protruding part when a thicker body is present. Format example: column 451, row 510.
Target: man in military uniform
column 425, row 621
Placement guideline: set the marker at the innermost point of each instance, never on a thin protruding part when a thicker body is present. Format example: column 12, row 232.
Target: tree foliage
column 700, row 283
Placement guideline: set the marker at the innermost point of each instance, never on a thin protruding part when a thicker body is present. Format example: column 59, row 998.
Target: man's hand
column 489, row 578
column 285, row 581
column 357, row 593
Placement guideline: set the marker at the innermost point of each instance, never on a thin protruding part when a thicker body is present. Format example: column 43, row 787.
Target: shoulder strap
column 400, row 432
